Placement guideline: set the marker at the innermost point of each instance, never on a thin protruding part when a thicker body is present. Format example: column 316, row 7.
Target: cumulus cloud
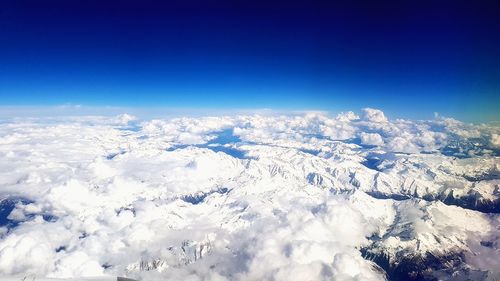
column 125, row 118
column 402, row 144
column 373, row 115
column 347, row 116
column 495, row 140
column 247, row 197
column 371, row 139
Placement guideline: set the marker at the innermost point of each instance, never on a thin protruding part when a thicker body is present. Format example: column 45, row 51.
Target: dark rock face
column 198, row 198
column 124, row 279
column 380, row 195
column 372, row 163
column 470, row 201
column 449, row 266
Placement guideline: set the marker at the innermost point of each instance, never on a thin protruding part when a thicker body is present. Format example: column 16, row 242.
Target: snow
column 245, row 197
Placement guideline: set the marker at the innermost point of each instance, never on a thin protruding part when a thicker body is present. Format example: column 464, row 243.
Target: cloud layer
column 249, row 197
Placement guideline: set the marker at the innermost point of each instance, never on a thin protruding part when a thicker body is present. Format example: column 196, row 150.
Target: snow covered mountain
column 255, row 197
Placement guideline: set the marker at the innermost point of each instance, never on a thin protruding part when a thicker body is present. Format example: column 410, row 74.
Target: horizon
column 407, row 59
column 161, row 112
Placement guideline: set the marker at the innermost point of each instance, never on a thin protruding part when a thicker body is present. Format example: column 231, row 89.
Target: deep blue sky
column 409, row 58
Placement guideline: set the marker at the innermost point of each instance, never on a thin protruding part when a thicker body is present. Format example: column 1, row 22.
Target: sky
column 409, row 59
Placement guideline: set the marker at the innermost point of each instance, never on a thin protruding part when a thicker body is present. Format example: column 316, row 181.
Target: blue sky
column 409, row 59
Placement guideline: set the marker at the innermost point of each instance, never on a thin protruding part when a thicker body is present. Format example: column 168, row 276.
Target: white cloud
column 125, row 118
column 495, row 140
column 402, row 144
column 371, row 139
column 347, row 116
column 373, row 115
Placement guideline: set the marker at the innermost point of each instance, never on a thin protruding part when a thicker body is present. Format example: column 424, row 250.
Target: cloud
column 347, row 116
column 371, row 139
column 495, row 140
column 126, row 118
column 402, row 144
column 167, row 199
column 373, row 115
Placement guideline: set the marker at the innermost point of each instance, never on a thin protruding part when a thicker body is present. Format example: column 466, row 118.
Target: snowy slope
column 255, row 197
